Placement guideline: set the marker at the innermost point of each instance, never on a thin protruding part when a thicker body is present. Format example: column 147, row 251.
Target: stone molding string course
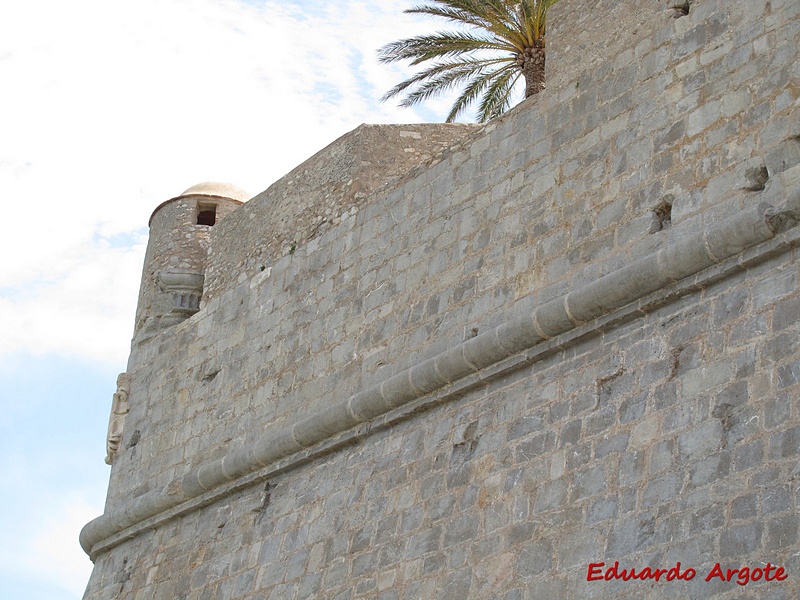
column 689, row 256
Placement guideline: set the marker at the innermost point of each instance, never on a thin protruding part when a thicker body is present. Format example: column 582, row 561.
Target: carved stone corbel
column 186, row 289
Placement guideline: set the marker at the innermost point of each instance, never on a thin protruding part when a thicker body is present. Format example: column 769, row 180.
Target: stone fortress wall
column 475, row 367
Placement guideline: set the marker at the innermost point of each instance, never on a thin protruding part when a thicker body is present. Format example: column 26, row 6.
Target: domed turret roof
column 216, row 188
column 211, row 189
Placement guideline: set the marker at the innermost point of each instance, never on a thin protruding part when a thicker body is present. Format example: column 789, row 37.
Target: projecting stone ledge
column 324, row 190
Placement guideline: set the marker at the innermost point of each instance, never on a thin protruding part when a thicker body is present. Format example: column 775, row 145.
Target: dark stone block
column 535, row 558
column 782, row 532
column 610, row 445
column 744, row 507
column 662, row 489
column 777, row 499
column 785, row 444
column 570, row 433
column 707, row 519
column 601, row 509
column 740, row 541
column 524, row 426
column 748, row 456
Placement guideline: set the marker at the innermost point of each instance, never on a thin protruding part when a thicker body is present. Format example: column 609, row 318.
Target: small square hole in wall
column 206, row 214
column 681, row 8
column 661, row 215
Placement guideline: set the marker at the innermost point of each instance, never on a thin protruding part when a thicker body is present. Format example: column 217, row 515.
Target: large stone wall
column 675, row 441
column 567, row 339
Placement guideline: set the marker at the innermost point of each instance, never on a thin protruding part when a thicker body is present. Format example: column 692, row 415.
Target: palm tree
column 505, row 39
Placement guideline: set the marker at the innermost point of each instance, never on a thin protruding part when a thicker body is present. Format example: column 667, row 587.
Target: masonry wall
column 676, row 441
column 664, row 430
column 328, row 188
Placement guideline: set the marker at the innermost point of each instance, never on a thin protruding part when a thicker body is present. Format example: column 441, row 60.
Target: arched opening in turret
column 206, row 214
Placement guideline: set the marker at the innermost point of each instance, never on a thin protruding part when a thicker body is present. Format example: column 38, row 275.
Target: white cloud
column 48, row 549
column 43, row 510
column 83, row 307
column 53, row 545
column 117, row 106
column 109, row 108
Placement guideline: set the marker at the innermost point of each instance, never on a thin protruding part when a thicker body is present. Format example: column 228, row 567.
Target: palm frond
column 497, row 98
column 533, row 15
column 426, row 47
column 495, row 16
column 501, row 40
column 480, row 85
column 440, row 77
column 437, row 78
column 451, row 13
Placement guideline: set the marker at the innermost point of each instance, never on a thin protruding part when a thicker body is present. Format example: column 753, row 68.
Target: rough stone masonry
column 554, row 356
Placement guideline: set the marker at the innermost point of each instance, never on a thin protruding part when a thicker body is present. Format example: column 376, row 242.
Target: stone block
column 782, row 532
column 710, row 469
column 550, row 496
column 661, row 490
column 783, row 157
column 535, row 558
column 700, row 441
column 703, row 117
column 741, row 540
column 785, row 444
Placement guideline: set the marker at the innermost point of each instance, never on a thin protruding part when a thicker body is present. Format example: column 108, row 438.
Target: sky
column 108, row 108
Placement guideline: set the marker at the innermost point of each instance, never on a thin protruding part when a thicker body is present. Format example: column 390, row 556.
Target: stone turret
column 177, row 252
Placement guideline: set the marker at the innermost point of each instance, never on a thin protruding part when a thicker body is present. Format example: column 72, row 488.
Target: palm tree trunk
column 533, row 70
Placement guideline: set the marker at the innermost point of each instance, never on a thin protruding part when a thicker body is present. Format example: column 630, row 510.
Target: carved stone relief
column 116, row 421
column 186, row 289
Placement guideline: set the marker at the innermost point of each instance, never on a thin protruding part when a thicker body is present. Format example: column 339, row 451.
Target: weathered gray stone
column 487, row 374
column 740, row 540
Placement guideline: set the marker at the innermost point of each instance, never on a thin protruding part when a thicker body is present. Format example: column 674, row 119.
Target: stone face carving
column 116, row 421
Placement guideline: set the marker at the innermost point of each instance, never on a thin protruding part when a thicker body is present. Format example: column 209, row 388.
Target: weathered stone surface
column 327, row 189
column 478, row 379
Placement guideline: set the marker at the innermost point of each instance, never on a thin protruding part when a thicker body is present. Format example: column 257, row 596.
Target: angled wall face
column 567, row 339
column 327, row 189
